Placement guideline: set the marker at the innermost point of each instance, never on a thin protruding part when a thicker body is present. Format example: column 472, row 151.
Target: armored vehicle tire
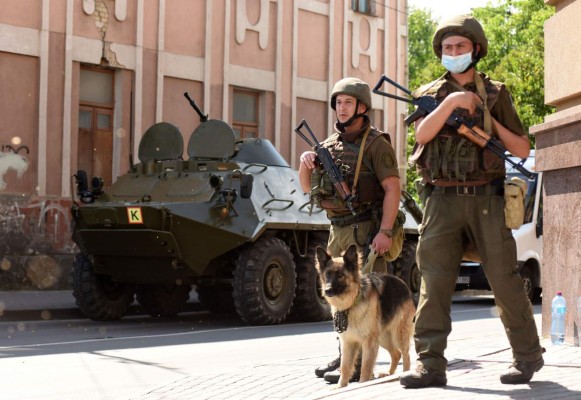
column 216, row 298
column 264, row 282
column 163, row 300
column 406, row 267
column 99, row 297
column 310, row 305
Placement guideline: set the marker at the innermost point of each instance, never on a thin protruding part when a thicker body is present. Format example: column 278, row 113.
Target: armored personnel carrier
column 231, row 219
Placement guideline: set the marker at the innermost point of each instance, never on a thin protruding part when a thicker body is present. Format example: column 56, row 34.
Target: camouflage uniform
column 379, row 163
column 462, row 207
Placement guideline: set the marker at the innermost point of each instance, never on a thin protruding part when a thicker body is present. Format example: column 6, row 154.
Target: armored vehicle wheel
column 406, row 267
column 264, row 282
column 310, row 305
column 99, row 297
column 163, row 300
column 216, row 298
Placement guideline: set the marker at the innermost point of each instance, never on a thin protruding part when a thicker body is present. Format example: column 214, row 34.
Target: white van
column 529, row 239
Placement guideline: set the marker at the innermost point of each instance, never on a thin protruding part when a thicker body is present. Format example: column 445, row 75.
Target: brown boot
column 521, row 371
column 423, row 377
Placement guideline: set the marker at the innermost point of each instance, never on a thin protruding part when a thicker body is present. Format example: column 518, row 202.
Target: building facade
column 81, row 81
column 558, row 155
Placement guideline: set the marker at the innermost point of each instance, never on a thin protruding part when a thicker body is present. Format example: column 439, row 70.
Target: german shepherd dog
column 368, row 311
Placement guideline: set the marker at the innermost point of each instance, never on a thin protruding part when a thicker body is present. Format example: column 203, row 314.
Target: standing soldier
column 464, row 186
column 367, row 160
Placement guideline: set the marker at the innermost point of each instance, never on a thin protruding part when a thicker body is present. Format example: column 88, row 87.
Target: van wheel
column 264, row 282
column 529, row 279
column 163, row 300
column 99, row 297
column 406, row 267
column 310, row 305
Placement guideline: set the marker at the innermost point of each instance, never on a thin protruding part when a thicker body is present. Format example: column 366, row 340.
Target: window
column 363, row 6
column 95, row 136
column 245, row 114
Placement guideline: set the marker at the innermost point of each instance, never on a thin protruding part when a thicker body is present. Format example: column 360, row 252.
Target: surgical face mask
column 457, row 64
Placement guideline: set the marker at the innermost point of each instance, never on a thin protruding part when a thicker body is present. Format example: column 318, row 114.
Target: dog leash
column 368, row 266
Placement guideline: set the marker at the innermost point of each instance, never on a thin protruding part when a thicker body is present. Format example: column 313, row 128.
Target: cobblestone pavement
column 467, row 378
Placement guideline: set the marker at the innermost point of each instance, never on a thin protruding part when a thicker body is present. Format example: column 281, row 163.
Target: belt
column 351, row 219
column 489, row 189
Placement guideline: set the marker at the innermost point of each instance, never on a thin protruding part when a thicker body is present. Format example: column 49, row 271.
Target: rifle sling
column 360, row 159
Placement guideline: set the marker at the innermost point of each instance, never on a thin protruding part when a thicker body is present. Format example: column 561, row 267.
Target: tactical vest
column 451, row 159
column 369, row 190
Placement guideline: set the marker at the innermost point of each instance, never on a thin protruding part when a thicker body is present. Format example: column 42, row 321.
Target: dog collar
column 341, row 318
column 341, row 321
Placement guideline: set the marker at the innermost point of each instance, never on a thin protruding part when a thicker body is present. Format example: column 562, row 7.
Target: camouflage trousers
column 449, row 220
column 340, row 238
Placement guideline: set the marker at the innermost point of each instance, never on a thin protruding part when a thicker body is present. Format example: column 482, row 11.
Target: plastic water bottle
column 559, row 308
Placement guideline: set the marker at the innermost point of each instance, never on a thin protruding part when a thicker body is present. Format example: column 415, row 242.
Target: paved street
column 199, row 357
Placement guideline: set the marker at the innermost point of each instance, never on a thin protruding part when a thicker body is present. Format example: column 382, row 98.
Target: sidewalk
column 467, row 378
column 473, row 371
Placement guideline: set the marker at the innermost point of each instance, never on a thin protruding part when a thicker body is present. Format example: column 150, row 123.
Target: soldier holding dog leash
column 369, row 166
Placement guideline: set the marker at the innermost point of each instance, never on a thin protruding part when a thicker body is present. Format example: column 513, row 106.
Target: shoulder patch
column 389, row 161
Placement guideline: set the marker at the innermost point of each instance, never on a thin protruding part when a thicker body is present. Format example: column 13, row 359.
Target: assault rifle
column 427, row 104
column 326, row 160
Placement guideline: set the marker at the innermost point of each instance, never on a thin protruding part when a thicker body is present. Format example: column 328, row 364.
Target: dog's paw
column 342, row 384
column 383, row 375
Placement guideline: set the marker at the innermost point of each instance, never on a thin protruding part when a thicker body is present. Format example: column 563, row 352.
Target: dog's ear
column 351, row 257
column 322, row 258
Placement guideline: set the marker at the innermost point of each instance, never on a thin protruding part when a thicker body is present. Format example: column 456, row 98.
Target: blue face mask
column 457, row 64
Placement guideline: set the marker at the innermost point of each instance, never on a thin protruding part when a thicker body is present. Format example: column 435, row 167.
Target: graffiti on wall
column 35, row 238
column 34, row 225
column 29, row 225
column 10, row 159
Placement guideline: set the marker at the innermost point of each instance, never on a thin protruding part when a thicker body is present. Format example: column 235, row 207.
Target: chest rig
column 363, row 184
column 450, row 158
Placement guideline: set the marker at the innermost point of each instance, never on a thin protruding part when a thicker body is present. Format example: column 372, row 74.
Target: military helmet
column 353, row 87
column 461, row 25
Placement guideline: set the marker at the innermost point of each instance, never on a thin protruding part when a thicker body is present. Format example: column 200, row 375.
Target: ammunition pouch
column 514, row 202
column 453, row 158
column 397, row 238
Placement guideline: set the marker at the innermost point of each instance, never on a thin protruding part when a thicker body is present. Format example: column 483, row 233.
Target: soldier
column 367, row 160
column 464, row 187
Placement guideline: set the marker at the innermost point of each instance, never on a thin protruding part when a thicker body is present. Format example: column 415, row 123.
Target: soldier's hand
column 381, row 243
column 467, row 100
column 308, row 159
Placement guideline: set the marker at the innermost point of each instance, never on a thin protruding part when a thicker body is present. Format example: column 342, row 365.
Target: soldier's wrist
column 386, row 232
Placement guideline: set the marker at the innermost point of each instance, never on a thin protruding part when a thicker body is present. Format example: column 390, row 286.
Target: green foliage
column 516, row 53
column 514, row 29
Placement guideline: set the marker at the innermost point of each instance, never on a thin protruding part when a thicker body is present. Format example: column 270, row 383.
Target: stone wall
column 558, row 155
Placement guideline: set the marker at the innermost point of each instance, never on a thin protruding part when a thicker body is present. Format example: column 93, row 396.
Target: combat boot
column 325, row 369
column 521, row 371
column 423, row 377
column 334, row 376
